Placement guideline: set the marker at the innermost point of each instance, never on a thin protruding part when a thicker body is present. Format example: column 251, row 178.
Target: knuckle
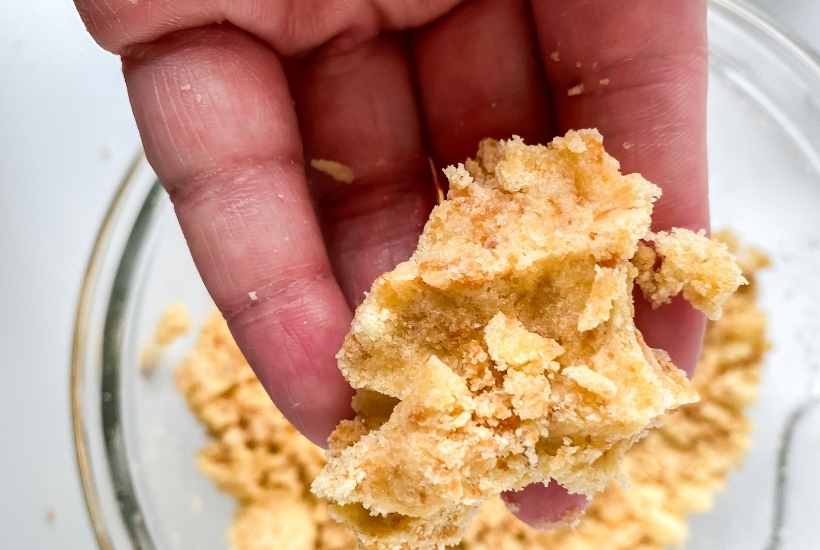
column 207, row 183
column 286, row 292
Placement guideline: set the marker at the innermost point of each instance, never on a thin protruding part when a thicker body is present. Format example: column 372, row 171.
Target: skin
column 233, row 97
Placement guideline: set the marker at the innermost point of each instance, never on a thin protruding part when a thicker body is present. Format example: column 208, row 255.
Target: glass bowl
column 136, row 441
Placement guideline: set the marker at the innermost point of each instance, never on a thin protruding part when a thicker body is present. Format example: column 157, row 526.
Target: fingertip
column 676, row 328
column 319, row 425
column 545, row 507
column 292, row 347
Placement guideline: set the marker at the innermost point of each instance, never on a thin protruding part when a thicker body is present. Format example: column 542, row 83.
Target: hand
column 230, row 114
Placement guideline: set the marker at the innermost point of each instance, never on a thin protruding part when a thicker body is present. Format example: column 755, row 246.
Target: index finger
column 637, row 71
column 218, row 126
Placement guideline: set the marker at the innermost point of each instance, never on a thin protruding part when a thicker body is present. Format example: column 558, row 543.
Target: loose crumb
column 578, row 89
column 604, row 82
column 174, row 322
column 555, row 56
column 336, row 170
column 627, row 145
column 682, row 261
column 51, row 516
column 185, row 87
column 253, row 296
column 578, row 64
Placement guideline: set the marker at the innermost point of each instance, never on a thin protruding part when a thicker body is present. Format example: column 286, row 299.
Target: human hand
column 231, row 113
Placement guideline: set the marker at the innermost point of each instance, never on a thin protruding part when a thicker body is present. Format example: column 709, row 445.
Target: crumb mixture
column 504, row 351
column 258, row 458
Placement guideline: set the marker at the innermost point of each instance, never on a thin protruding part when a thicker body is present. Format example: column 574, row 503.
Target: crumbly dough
column 255, row 454
column 677, row 469
column 673, row 261
column 336, row 170
column 508, row 343
column 174, row 322
column 267, row 466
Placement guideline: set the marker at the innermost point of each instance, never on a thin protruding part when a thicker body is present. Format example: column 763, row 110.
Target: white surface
column 66, row 135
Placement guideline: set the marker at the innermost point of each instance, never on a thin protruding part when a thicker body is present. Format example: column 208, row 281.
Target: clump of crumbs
column 504, row 352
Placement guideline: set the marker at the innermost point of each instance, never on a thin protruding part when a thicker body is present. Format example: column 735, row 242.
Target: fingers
column 358, row 108
column 217, row 123
column 290, row 26
column 637, row 71
column 479, row 76
column 545, row 506
column 643, row 68
column 676, row 328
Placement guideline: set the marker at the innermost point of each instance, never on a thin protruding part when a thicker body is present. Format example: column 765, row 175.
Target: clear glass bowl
column 136, row 441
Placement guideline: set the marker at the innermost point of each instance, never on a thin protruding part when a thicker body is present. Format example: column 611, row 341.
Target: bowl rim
column 794, row 46
column 80, row 343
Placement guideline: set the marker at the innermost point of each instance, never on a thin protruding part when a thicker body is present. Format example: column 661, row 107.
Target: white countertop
column 66, row 136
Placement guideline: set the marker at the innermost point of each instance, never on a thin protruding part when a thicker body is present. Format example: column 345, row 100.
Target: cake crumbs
column 604, row 82
column 680, row 261
column 555, row 56
column 259, row 459
column 174, row 322
column 336, row 170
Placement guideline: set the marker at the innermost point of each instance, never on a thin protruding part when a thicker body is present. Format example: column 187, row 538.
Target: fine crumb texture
column 507, row 344
column 174, row 322
column 267, row 466
column 678, row 468
column 255, row 455
column 336, row 170
column 683, row 261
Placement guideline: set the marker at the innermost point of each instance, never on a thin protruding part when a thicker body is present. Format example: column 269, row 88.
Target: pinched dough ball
column 504, row 352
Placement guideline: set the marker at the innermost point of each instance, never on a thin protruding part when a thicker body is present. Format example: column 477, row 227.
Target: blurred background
column 67, row 137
